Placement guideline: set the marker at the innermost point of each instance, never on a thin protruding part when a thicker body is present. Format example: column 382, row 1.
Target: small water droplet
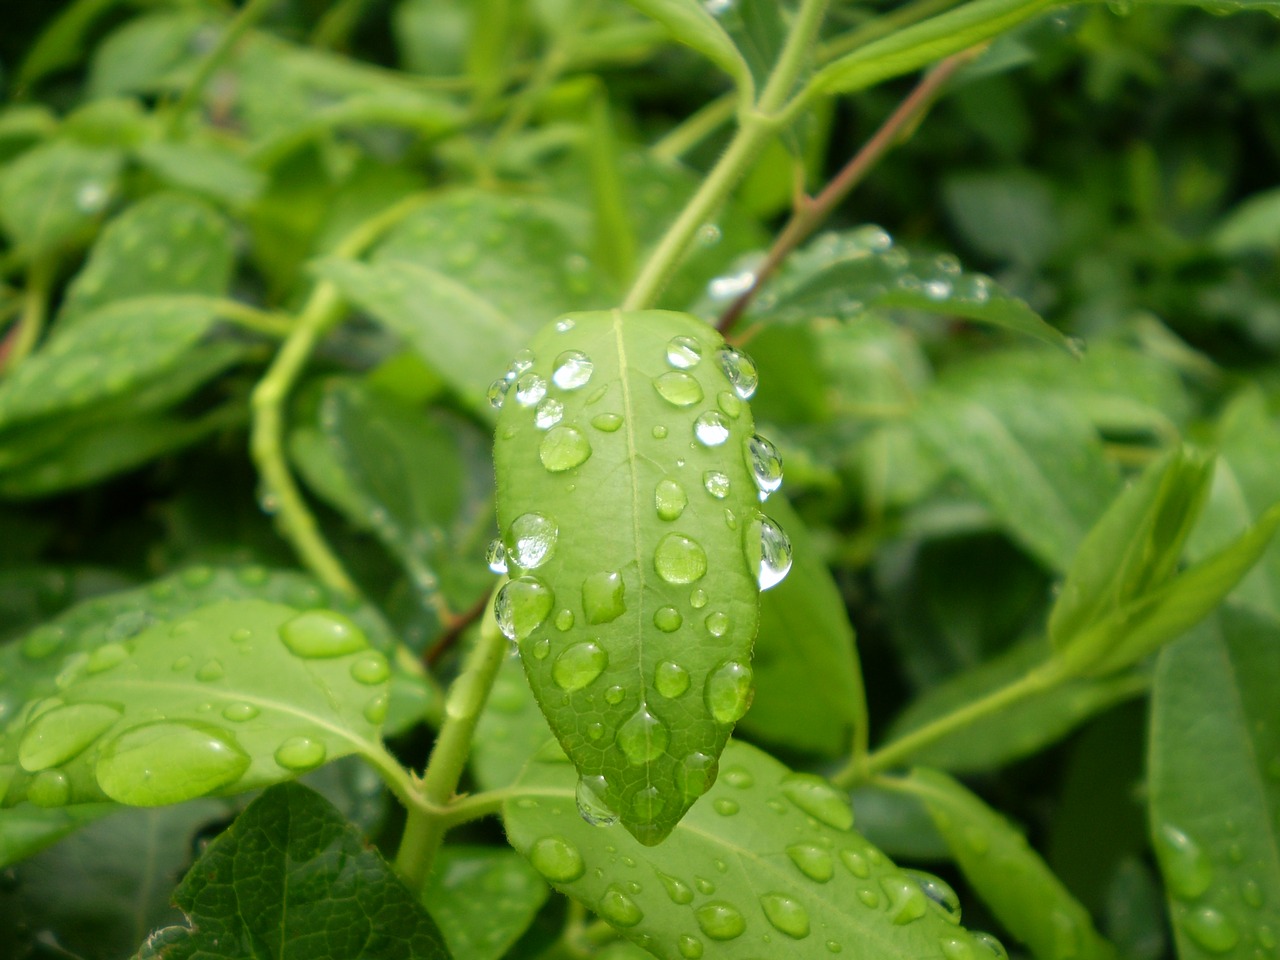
column 868, row 897
column 579, row 665
column 211, row 670
column 679, row 559
column 563, row 448
column 711, row 428
column 725, row 807
column 670, row 499
column 557, row 859
column 572, row 370
column 705, row 886
column 677, row 890
column 603, row 597
column 239, row 712
column 940, row 895
column 1210, row 929
column 63, row 733
column 321, row 634
column 541, row 648
column 643, row 737
column 1251, row 893
column 659, row 432
column 497, row 393
column 613, row 696
column 565, row 325
column 811, row 860
column 50, row 788
column 690, row 947
column 166, row 762
column 774, row 551
column 698, row 598
column 530, row 389
column 716, row 483
column 728, row 692
column 646, row 806
column 740, row 371
column 496, row 556
column 300, row 753
column 684, row 353
column 589, row 796
column 816, row 797
column 955, row 948
column 990, row 944
column 530, row 541
column 733, row 285
column 1186, row 868
column 564, row 620
column 370, row 669
column 670, row 679
column 786, row 914
column 907, row 901
column 696, row 774
column 607, row 422
column 717, row 624
column 521, row 607
column 739, row 777
column 678, row 388
column 719, row 920
column 766, row 465
column 618, row 909
column 549, row 413
column 667, row 619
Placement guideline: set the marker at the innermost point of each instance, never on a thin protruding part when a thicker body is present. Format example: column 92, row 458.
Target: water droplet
column 557, row 859
column 670, row 499
column 618, row 909
column 579, row 665
column 659, row 432
column 239, row 712
column 786, row 914
column 690, row 947
column 907, row 901
column 564, row 620
column 732, row 285
column 811, row 860
column 677, row 890
column 717, row 484
column 1210, row 930
column 717, row 624
column 589, row 796
column 50, row 788
column 766, row 465
column 725, row 807
column 728, row 693
column 989, row 943
column 670, row 679
column 530, row 389
column 954, row 948
column 320, row 634
column 868, row 897
column 678, row 559
column 719, row 920
column 241, row 635
column 740, row 371
column 678, row 388
column 42, row 642
column 643, row 737
column 181, row 663
column 565, row 325
column 521, row 607
column 300, row 753
column 711, row 428
column 497, row 393
column 684, row 353
column 167, row 762
column 530, row 541
column 1186, row 869
column 646, row 806
column 940, row 895
column 603, row 597
column 563, row 448
column 774, row 551
column 667, row 619
column 521, row 362
column 106, row 656
column 607, row 422
column 1251, row 893
column 614, row 695
column 698, row 598
column 572, row 370
column 60, row 734
column 1266, row 937
column 705, row 887
column 371, row 669
column 816, row 797
column 696, row 774
column 548, row 414
column 495, row 556
column 541, row 647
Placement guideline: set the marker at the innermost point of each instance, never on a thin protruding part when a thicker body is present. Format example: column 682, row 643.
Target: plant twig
column 26, row 331
column 810, row 212
column 250, row 13
column 454, row 628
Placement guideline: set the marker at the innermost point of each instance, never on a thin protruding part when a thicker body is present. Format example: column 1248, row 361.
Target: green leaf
column 1214, row 784
column 689, row 23
column 1018, row 730
column 764, row 865
column 26, row 830
column 289, row 880
column 148, row 54
column 510, row 730
column 204, row 168
column 52, row 195
column 483, row 899
column 1009, row 876
column 1033, row 459
column 232, row 697
column 845, row 274
column 637, row 646
column 808, row 686
column 61, row 43
column 1253, row 226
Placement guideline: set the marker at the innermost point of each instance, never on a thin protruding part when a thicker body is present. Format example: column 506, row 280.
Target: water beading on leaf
column 629, row 481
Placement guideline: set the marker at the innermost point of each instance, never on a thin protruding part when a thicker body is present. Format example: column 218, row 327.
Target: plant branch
column 810, row 212
column 250, row 13
column 454, row 628
column 26, row 330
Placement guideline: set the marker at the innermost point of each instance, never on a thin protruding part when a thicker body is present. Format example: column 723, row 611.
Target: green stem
column 35, row 311
column 882, row 26
column 756, row 126
column 252, row 318
column 426, row 827
column 898, row 751
column 250, row 13
column 694, row 129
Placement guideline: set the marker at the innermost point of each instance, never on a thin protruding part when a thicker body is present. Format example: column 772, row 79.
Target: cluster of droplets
column 1189, row 877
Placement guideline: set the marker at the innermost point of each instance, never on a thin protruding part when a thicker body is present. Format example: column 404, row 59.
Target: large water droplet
column 720, row 921
column 1210, row 929
column 711, row 428
column 740, row 371
column 549, row 413
column 530, row 541
column 1186, row 869
column 557, row 859
column 496, row 556
column 579, row 665
column 670, row 679
column 767, row 540
column 530, row 389
column 678, row 891
column 589, row 796
column 766, row 465
column 678, row 388
column 819, row 799
column 716, row 484
column 168, row 762
column 678, row 559
column 563, row 448
column 643, row 737
column 684, row 353
column 728, row 692
column 300, row 753
column 321, row 634
column 521, row 607
column 603, row 598
column 667, row 619
column 63, row 733
column 907, row 901
column 572, row 370
column 670, row 499
column 786, row 914
column 618, row 909
column 50, row 788
column 811, row 860
column 940, row 895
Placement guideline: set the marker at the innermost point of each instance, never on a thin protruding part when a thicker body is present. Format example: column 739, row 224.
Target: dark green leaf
column 25, row 830
column 483, row 898
column 52, row 195
column 291, row 880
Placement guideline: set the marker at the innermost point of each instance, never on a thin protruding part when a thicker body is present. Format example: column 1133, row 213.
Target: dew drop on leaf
column 955, row 948
column 679, row 559
column 614, row 695
column 589, row 796
column 495, row 556
column 728, row 692
column 659, row 432
column 63, row 733
column 820, row 800
column 678, row 388
column 522, row 361
column 1210, row 929
column 168, row 762
column 42, row 642
column 643, row 737
column 572, row 370
column 579, row 665
column 670, row 499
column 786, row 914
column 667, row 619
column 907, row 902
column 766, row 465
column 940, row 895
column 990, row 943
column 717, row 624
column 320, row 634
column 646, row 805
column 50, row 788
column 521, row 607
column 716, row 484
column 565, row 325
column 210, row 671
column 530, row 541
column 774, row 551
column 603, row 597
column 239, row 712
column 556, row 859
column 617, row 908
column 300, row 753
column 370, row 669
column 811, row 860
column 563, row 448
column 106, row 656
column 711, row 428
column 607, row 422
column 725, row 807
column 698, row 598
column 375, row 711
column 497, row 393
column 690, row 947
column 683, row 353
column 720, row 920
column 740, row 370
column 1185, row 866
column 677, row 890
column 549, row 413
column 564, row 620
column 670, row 679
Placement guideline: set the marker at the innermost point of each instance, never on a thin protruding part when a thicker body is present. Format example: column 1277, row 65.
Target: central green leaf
column 629, row 481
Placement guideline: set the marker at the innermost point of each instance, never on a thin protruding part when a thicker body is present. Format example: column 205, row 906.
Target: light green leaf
column 1006, row 872
column 148, row 54
column 483, row 899
column 1253, row 226
column 52, row 195
column 691, row 24
column 1214, row 784
column 808, row 686
column 637, row 645
column 203, row 168
column 292, row 880
column 764, row 865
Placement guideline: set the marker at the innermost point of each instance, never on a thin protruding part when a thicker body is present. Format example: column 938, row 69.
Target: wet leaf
column 483, row 899
column 52, row 195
